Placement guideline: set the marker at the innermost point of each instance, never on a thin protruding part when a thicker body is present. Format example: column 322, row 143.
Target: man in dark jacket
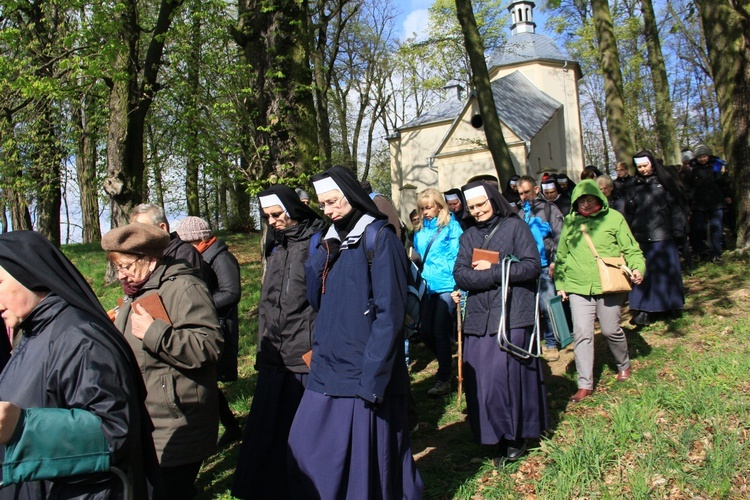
column 711, row 196
column 148, row 213
column 545, row 221
column 226, row 291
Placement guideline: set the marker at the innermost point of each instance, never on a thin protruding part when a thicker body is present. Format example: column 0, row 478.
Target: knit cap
column 687, row 155
column 702, row 150
column 193, row 229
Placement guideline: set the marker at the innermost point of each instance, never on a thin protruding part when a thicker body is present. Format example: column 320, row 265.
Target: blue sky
column 413, row 18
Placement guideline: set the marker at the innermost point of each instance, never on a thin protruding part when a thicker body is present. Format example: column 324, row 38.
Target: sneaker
column 441, row 389
column 551, row 354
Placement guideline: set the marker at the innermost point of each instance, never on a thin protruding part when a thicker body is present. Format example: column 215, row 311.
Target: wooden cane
column 460, row 334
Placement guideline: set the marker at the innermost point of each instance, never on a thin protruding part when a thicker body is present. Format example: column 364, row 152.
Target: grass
column 678, row 429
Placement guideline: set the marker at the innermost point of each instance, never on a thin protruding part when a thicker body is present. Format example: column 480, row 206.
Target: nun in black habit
column 457, row 206
column 350, row 438
column 72, row 395
column 505, row 394
column 285, row 321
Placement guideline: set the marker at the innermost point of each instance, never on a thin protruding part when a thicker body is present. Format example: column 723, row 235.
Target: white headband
column 325, row 184
column 475, row 192
column 642, row 161
column 452, row 197
column 548, row 185
column 513, row 183
column 270, row 201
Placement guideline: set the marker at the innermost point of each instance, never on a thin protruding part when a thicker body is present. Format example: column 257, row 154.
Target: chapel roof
column 520, row 105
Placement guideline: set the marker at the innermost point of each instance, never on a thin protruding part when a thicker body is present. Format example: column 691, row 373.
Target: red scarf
column 593, row 210
column 131, row 289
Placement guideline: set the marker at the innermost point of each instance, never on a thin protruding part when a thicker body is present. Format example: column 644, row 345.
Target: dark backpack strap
column 370, row 239
column 314, row 240
column 427, row 250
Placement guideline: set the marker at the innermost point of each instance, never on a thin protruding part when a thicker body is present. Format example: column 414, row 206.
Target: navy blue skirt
column 262, row 462
column 340, row 448
column 662, row 288
column 505, row 395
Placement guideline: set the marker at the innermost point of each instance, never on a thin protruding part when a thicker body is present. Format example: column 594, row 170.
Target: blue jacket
column 358, row 348
column 438, row 270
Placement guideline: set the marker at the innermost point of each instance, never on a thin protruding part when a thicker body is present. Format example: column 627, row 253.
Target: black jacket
column 707, row 187
column 483, row 305
column 65, row 360
column 226, row 291
column 563, row 204
column 652, row 211
column 186, row 253
column 285, row 318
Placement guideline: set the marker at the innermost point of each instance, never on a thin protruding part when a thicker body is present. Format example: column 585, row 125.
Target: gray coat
column 178, row 364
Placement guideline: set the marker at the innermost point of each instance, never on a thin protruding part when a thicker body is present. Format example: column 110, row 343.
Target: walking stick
column 460, row 334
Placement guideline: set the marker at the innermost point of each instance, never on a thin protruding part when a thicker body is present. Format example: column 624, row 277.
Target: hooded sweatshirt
column 576, row 270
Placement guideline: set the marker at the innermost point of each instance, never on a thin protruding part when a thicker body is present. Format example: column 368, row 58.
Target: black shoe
column 633, row 314
column 642, row 319
column 516, row 449
column 230, row 436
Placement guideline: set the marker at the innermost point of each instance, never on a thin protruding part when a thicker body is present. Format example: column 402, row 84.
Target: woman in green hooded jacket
column 577, row 279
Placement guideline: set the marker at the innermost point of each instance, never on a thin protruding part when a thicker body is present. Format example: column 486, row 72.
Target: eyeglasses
column 126, row 268
column 275, row 216
column 332, row 203
column 587, row 200
column 474, row 208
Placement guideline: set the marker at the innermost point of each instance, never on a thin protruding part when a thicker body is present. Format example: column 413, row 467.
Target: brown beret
column 137, row 238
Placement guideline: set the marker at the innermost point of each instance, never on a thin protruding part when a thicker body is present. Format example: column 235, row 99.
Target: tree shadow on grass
column 604, row 363
column 444, row 448
column 217, row 471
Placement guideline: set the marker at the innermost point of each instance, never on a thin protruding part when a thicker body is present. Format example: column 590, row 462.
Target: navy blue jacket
column 483, row 305
column 358, row 348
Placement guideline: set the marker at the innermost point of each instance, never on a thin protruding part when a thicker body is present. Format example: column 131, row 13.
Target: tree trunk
column 617, row 126
column 665, row 128
column 86, row 167
column 46, row 172
column 481, row 80
column 193, row 75
column 132, row 93
column 726, row 24
column 272, row 36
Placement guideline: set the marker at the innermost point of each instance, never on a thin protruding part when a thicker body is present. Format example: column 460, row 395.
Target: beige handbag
column 613, row 273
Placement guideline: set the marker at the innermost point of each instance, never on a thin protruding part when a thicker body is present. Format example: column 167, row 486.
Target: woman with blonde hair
column 436, row 241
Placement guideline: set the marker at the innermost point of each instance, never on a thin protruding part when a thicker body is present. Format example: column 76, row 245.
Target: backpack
column 416, row 286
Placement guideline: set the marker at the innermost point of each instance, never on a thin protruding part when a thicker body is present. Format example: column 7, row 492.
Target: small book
column 489, row 255
column 307, row 357
column 153, row 305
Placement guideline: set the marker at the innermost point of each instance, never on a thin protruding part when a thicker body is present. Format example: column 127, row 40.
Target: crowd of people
column 92, row 400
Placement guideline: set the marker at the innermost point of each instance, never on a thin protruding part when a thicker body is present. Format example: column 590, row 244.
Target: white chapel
column 535, row 88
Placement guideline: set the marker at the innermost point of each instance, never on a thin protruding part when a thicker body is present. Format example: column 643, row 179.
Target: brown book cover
column 307, row 357
column 489, row 255
column 153, row 305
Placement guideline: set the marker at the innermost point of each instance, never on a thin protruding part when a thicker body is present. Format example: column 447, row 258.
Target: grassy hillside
column 679, row 428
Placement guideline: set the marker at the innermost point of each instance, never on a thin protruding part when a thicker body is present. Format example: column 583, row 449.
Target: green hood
column 585, row 187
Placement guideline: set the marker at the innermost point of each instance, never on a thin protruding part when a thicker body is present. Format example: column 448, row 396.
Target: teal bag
column 562, row 328
column 54, row 442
